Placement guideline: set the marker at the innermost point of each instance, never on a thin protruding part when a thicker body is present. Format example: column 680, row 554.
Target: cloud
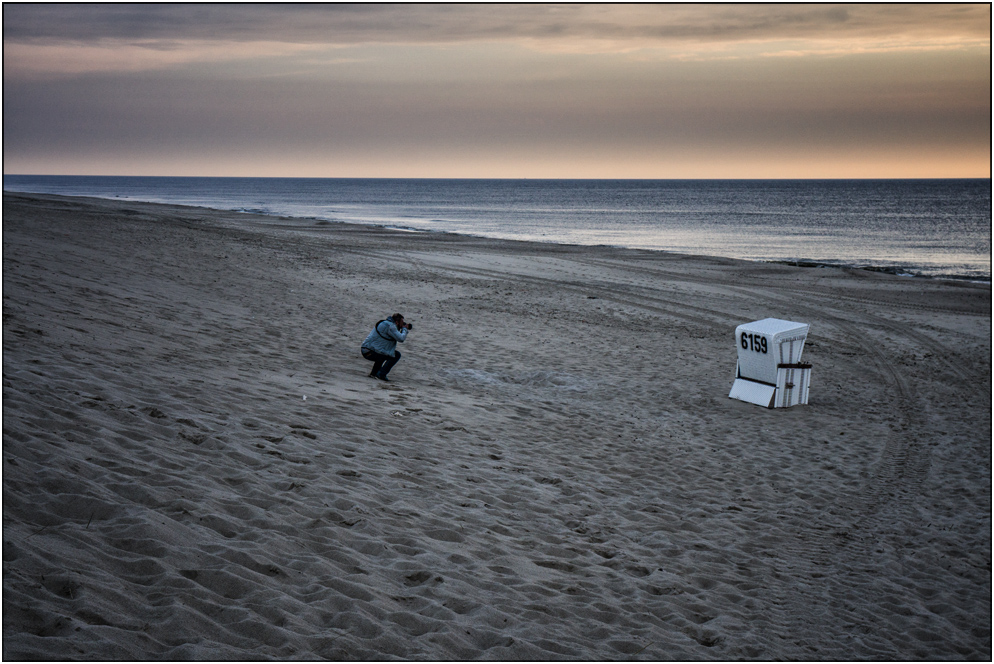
column 71, row 39
column 113, row 56
column 342, row 24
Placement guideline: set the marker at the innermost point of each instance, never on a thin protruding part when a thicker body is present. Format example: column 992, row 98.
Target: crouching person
column 380, row 346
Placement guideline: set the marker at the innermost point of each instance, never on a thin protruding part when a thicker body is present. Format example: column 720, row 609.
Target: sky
column 501, row 91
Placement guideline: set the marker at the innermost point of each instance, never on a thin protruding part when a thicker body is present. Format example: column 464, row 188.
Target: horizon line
column 472, row 179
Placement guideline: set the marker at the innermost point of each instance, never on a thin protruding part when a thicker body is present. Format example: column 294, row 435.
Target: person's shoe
column 372, row 375
column 383, row 378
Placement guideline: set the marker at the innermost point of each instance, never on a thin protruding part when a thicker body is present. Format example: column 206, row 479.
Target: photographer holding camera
column 380, row 346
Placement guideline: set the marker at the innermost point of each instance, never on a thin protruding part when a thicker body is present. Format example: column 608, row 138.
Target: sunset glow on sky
column 524, row 90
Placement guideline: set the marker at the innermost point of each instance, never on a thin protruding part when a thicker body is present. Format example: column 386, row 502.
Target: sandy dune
column 196, row 465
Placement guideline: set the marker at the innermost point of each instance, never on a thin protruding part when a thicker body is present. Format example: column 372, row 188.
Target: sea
column 912, row 228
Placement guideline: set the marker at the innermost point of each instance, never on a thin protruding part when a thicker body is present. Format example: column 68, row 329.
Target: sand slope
column 555, row 471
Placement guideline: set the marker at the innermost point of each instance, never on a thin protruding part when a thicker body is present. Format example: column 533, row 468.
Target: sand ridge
column 196, row 465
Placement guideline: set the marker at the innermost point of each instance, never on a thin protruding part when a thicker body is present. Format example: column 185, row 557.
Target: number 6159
column 754, row 342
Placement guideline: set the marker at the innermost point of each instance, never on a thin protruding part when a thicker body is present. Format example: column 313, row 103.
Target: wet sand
column 197, row 466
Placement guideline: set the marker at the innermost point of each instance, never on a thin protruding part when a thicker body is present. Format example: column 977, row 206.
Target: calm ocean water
column 937, row 228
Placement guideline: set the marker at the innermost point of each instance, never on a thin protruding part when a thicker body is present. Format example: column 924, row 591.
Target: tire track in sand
column 903, row 463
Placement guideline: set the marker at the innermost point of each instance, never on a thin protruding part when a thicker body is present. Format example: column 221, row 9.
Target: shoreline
column 196, row 465
column 901, row 270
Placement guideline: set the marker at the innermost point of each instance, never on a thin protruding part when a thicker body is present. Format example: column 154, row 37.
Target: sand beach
column 196, row 465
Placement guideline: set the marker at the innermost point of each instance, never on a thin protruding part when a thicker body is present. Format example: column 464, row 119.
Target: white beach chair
column 769, row 371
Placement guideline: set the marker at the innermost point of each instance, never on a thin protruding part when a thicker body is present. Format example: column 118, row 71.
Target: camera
column 410, row 326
